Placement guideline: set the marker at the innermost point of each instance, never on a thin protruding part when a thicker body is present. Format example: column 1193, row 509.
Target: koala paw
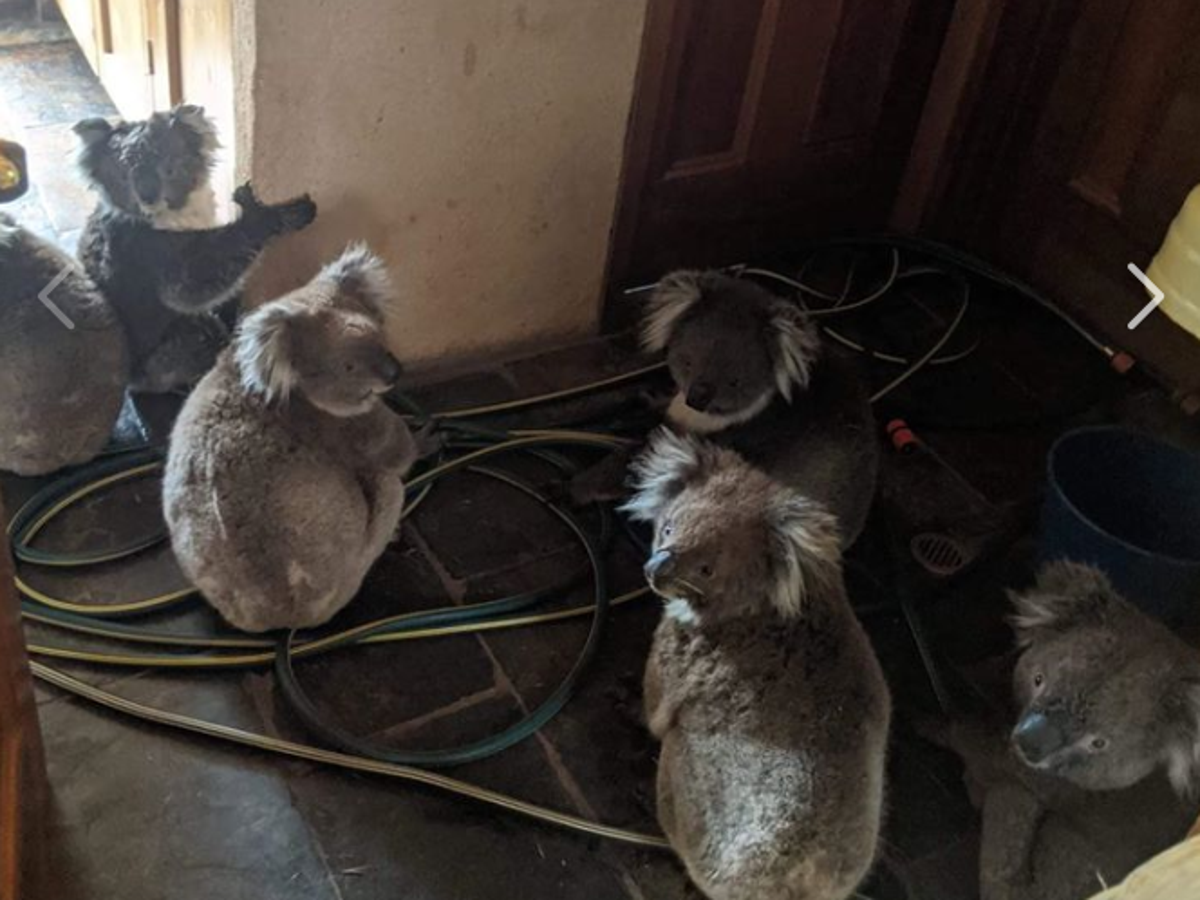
column 245, row 197
column 429, row 440
column 295, row 214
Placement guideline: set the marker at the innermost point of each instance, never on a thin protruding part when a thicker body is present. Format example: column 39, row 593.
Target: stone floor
column 148, row 814
column 145, row 814
column 47, row 88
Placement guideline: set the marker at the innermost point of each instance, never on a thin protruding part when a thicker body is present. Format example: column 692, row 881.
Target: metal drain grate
column 939, row 554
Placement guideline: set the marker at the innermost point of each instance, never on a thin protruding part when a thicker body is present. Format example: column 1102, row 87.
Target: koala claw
column 429, row 440
column 295, row 214
column 245, row 197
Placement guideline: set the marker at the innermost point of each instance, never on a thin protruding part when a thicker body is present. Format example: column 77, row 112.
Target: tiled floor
column 47, row 88
column 144, row 814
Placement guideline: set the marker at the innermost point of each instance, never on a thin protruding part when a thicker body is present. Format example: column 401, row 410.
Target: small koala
column 752, row 375
column 283, row 477
column 1101, row 769
column 153, row 246
column 761, row 685
column 62, row 369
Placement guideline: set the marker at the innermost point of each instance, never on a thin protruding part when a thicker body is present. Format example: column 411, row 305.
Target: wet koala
column 1101, row 770
column 752, row 375
column 62, row 369
column 761, row 684
column 283, row 478
column 153, row 245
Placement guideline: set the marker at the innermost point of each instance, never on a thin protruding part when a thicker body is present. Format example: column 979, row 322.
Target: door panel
column 1107, row 164
column 125, row 65
column 759, row 122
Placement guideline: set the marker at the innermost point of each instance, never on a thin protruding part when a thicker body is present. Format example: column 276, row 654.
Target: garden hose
column 514, row 734
column 281, row 747
column 477, row 443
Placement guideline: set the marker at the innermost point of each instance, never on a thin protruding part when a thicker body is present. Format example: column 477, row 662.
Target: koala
column 283, row 480
column 762, row 687
column 752, row 375
column 153, row 246
column 62, row 380
column 1100, row 771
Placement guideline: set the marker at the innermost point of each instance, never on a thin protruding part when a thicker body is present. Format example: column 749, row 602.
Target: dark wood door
column 759, row 122
column 1084, row 142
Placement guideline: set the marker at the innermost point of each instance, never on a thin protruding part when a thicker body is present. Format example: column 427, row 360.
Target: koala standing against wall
column 761, row 684
column 1101, row 770
column 283, row 478
column 153, row 247
column 62, row 370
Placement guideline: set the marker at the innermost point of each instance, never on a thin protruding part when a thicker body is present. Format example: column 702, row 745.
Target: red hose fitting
column 903, row 438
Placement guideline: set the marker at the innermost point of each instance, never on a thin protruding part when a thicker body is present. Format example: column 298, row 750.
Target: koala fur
column 1100, row 772
column 153, row 246
column 752, row 375
column 61, row 387
column 761, row 684
column 283, row 477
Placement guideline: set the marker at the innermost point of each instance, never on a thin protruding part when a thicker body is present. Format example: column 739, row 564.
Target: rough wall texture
column 476, row 144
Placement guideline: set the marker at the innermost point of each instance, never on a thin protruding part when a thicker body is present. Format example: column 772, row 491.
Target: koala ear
column 805, row 551
column 675, row 295
column 194, row 117
column 795, row 346
column 360, row 276
column 1182, row 746
column 663, row 470
column 93, row 131
column 263, row 350
column 1065, row 595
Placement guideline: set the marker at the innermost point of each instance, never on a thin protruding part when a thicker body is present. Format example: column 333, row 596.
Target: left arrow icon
column 1154, row 291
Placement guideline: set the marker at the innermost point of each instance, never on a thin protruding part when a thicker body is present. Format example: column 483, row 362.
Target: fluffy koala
column 283, row 477
column 153, row 247
column 1101, row 769
column 61, row 384
column 751, row 374
column 761, row 684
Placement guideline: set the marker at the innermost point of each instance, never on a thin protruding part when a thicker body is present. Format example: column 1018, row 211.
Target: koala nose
column 700, row 396
column 1037, row 736
column 659, row 564
column 146, row 185
column 391, row 370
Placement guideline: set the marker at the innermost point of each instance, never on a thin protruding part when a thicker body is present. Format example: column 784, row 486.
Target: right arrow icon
column 1154, row 292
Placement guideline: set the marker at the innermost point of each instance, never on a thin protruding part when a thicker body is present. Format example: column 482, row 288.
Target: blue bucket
column 1130, row 505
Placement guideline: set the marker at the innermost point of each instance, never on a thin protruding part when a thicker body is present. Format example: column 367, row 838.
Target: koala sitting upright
column 761, row 684
column 752, row 375
column 61, row 379
column 1101, row 770
column 152, row 246
column 283, row 478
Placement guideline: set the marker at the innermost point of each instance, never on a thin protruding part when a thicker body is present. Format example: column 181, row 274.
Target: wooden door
column 126, row 66
column 132, row 45
column 759, row 122
column 1083, row 144
column 22, row 769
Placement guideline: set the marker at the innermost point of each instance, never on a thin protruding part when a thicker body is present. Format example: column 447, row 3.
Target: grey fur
column 61, row 388
column 283, row 482
column 761, row 684
column 1086, row 814
column 153, row 246
column 769, row 389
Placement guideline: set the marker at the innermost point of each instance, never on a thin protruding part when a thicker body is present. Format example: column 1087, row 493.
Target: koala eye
column 350, row 367
column 706, row 571
column 734, row 384
column 1038, row 679
column 1099, row 743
